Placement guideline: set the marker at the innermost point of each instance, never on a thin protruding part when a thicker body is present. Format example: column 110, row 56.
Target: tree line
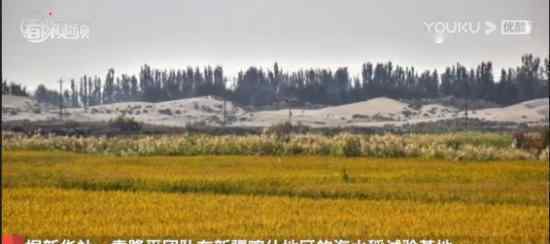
column 259, row 87
column 13, row 88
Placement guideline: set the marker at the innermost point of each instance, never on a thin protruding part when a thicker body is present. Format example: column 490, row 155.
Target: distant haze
column 126, row 34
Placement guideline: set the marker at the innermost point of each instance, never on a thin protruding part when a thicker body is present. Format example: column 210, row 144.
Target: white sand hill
column 209, row 110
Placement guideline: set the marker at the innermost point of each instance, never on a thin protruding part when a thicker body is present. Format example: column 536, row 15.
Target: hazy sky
column 125, row 34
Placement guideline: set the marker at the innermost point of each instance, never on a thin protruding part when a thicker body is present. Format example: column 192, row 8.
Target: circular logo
column 34, row 30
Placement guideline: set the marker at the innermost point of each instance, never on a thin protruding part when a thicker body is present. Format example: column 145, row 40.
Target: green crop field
column 54, row 194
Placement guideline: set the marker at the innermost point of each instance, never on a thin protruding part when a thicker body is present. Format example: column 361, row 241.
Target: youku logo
column 39, row 30
column 442, row 29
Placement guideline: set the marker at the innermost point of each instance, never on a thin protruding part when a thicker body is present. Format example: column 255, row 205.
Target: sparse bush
column 350, row 146
column 280, row 131
column 415, row 105
column 214, row 119
column 380, row 117
column 345, row 176
column 454, row 144
column 407, row 113
column 547, row 137
column 71, row 124
column 165, row 111
column 10, row 111
column 124, row 123
column 463, row 146
column 360, row 116
column 545, row 155
column 207, row 109
column 530, row 142
column 196, row 125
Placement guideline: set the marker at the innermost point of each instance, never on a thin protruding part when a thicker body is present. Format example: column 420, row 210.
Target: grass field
column 60, row 194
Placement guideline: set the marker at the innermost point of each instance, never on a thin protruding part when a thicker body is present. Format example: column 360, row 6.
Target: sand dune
column 18, row 103
column 525, row 112
column 209, row 110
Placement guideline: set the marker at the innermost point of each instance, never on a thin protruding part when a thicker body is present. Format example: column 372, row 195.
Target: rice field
column 59, row 194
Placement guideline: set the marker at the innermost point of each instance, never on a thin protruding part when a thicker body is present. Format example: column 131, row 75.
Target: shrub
column 455, row 144
column 545, row 155
column 300, row 128
column 531, row 142
column 519, row 140
column 125, row 124
column 415, row 105
column 547, row 137
column 359, row 116
column 71, row 124
column 444, row 146
column 165, row 111
column 407, row 113
column 345, row 176
column 281, row 131
column 347, row 145
column 13, row 112
column 196, row 125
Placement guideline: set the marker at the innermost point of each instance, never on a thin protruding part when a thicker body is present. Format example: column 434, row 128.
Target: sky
column 236, row 34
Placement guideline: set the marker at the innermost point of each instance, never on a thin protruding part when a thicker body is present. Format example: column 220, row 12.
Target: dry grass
column 452, row 146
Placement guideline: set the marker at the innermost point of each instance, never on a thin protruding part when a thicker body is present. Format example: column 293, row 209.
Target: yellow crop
column 68, row 195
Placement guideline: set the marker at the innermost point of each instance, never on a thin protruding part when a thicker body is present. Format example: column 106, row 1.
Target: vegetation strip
column 278, row 141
